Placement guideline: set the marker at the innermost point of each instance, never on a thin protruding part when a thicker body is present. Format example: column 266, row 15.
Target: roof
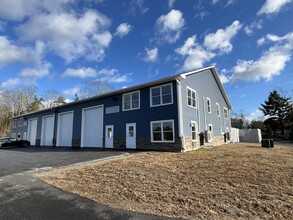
column 144, row 85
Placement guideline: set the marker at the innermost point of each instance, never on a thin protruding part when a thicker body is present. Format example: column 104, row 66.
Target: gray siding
column 205, row 85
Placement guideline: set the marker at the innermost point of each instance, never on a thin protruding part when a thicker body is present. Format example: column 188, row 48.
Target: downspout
column 180, row 116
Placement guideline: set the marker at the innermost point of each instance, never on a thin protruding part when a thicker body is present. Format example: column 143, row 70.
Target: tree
column 75, row 98
column 93, row 88
column 52, row 98
column 278, row 109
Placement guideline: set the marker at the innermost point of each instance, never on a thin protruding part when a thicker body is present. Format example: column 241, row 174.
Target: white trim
column 192, row 90
column 179, row 106
column 106, row 135
column 224, row 108
column 82, row 122
column 161, row 99
column 58, row 126
column 204, row 113
column 130, row 93
column 196, row 130
column 210, row 105
column 162, row 131
column 29, row 130
column 212, row 132
column 134, row 136
column 42, row 131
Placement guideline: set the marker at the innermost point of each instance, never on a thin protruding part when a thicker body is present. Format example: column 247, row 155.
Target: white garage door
column 64, row 129
column 32, row 130
column 92, row 127
column 47, row 130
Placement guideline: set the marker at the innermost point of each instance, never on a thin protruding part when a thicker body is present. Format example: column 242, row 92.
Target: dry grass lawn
column 229, row 181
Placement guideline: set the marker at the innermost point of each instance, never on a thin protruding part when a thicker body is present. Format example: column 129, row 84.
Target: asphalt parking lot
column 16, row 160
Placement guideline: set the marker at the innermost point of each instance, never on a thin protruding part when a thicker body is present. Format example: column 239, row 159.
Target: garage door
column 92, row 127
column 32, row 130
column 64, row 129
column 47, row 130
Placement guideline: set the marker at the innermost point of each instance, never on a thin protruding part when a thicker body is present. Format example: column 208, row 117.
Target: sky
column 60, row 44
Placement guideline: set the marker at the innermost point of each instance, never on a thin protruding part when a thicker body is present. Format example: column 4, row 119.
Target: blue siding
column 141, row 117
column 205, row 85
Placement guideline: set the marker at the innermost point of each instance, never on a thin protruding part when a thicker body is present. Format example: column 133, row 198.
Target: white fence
column 234, row 135
column 250, row 135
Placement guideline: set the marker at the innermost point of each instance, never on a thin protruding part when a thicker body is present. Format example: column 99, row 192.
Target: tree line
column 25, row 99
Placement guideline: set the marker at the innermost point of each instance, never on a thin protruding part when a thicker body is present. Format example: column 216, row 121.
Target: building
column 177, row 113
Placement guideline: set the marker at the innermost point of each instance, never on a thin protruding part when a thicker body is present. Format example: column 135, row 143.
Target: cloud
column 256, row 25
column 215, row 1
column 137, row 7
column 81, row 73
column 255, row 115
column 221, row 40
column 10, row 83
column 113, row 76
column 10, row 53
column 68, row 35
column 170, row 26
column 151, row 55
column 171, row 4
column 270, row 64
column 71, row 92
column 273, row 6
column 123, row 29
column 36, row 73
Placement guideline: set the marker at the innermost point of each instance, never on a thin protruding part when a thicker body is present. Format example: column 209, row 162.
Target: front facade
column 177, row 113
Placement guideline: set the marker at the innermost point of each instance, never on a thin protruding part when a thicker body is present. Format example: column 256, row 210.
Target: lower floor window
column 193, row 131
column 162, row 131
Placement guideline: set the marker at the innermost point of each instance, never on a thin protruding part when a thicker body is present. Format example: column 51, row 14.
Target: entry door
column 131, row 136
column 32, row 130
column 109, row 136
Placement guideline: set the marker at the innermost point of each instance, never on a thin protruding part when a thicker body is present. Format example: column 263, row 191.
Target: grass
column 228, row 181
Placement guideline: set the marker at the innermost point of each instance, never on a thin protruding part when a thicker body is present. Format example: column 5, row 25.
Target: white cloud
column 171, row 4
column 71, row 92
column 196, row 54
column 123, row 29
column 255, row 115
column 270, row 64
column 215, row 1
column 18, row 10
column 81, row 73
column 224, row 79
column 10, row 53
column 113, row 76
column 256, row 25
column 151, row 55
column 221, row 40
column 10, row 83
column 170, row 26
column 230, row 2
column 273, row 6
column 137, row 7
column 68, row 35
column 260, row 41
column 36, row 73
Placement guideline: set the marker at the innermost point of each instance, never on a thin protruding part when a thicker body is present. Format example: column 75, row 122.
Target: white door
column 64, row 129
column 131, row 136
column 92, row 127
column 32, row 130
column 47, row 130
column 109, row 132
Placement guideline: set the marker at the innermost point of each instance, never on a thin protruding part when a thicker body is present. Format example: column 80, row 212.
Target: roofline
column 143, row 85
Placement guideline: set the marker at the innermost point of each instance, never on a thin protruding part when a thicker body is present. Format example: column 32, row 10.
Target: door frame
column 127, row 131
column 106, row 136
column 42, row 131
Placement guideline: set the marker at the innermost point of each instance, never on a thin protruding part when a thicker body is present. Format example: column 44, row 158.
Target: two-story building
column 176, row 113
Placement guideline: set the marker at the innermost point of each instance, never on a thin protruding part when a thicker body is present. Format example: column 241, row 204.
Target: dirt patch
column 229, row 181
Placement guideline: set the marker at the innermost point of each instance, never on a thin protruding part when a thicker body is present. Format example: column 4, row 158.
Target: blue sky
column 59, row 44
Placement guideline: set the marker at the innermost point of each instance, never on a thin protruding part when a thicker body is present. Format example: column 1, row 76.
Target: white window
column 218, row 110
column 161, row 95
column 162, row 131
column 131, row 101
column 191, row 98
column 208, row 104
column 193, row 126
column 225, row 113
column 210, row 132
column 13, row 135
column 14, row 123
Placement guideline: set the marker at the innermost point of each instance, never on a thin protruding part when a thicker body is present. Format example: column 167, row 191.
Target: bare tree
column 93, row 88
column 52, row 98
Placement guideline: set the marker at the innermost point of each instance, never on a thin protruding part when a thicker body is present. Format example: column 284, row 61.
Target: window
column 162, row 131
column 161, row 95
column 225, row 113
column 193, row 126
column 208, row 102
column 14, row 123
column 131, row 101
column 210, row 132
column 218, row 110
column 191, row 98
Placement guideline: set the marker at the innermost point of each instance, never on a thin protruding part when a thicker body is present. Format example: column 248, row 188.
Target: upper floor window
column 162, row 131
column 191, row 98
column 131, row 101
column 161, row 95
column 14, row 123
column 218, row 110
column 225, row 113
column 208, row 104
